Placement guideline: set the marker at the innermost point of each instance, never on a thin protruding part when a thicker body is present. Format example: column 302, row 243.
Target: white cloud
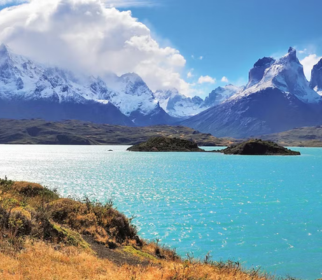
column 201, row 57
column 302, row 51
column 224, row 79
column 130, row 3
column 206, row 79
column 308, row 62
column 189, row 74
column 87, row 35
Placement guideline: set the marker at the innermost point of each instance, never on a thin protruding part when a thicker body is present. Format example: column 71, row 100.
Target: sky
column 193, row 45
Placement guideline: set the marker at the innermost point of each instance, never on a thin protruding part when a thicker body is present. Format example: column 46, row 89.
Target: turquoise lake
column 263, row 211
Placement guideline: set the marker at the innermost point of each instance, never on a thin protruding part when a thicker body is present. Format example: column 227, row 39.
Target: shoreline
column 118, row 251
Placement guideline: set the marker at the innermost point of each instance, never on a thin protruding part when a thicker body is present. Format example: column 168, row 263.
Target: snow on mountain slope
column 130, row 94
column 23, row 79
column 178, row 105
column 32, row 90
column 257, row 72
column 285, row 74
column 268, row 111
column 220, row 95
column 277, row 98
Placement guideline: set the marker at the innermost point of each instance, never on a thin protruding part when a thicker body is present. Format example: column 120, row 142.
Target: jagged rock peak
column 318, row 66
column 257, row 72
column 316, row 77
column 291, row 49
column 291, row 55
column 264, row 62
column 285, row 74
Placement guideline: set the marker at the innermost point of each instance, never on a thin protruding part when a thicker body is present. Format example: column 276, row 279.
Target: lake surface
column 262, row 210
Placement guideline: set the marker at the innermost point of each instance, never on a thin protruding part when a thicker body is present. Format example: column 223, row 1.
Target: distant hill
column 302, row 136
column 72, row 132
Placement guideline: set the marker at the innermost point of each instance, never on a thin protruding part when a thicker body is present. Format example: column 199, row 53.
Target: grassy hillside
column 44, row 236
column 301, row 137
column 84, row 133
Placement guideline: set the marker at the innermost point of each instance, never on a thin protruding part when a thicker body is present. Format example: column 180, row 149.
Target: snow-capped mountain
column 130, row 86
column 316, row 77
column 24, row 79
column 220, row 95
column 118, row 100
column 257, row 72
column 276, row 98
column 285, row 74
column 180, row 106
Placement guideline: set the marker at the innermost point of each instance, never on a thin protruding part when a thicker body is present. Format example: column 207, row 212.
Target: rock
column 257, row 72
column 166, row 144
column 258, row 147
column 316, row 77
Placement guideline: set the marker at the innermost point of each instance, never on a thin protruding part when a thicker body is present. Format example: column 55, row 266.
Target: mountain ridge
column 21, row 79
column 277, row 97
column 280, row 100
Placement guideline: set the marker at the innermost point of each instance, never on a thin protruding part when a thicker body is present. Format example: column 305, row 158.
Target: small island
column 258, row 147
column 166, row 144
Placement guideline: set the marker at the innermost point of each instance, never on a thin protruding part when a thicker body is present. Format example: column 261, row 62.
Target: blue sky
column 231, row 35
column 201, row 40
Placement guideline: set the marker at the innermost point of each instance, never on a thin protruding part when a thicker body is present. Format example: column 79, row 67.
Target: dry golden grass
column 42, row 261
column 30, row 214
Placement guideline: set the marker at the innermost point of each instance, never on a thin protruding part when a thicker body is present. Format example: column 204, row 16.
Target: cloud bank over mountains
column 90, row 36
column 93, row 36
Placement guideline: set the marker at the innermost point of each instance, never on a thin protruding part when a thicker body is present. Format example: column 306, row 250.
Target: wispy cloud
column 197, row 57
column 189, row 74
column 302, row 51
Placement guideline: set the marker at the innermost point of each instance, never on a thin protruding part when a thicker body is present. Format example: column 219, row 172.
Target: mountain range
column 277, row 97
column 32, row 90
